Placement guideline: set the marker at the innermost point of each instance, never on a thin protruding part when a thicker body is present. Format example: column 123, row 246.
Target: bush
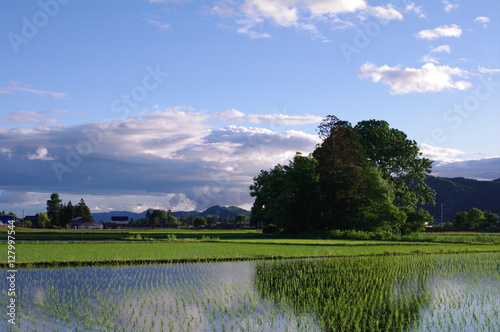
column 270, row 229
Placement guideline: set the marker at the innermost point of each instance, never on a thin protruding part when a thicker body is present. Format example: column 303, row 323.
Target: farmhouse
column 33, row 220
column 82, row 223
column 6, row 218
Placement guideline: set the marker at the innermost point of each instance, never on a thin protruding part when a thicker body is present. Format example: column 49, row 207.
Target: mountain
column 222, row 212
column 461, row 194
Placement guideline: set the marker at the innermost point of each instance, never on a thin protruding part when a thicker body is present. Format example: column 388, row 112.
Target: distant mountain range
column 223, row 212
column 460, row 194
column 456, row 194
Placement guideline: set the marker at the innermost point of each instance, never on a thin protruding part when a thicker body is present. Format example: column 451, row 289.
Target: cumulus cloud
column 451, row 163
column 481, row 169
column 439, row 32
column 41, row 154
column 174, row 153
column 440, row 154
column 14, row 87
column 387, row 13
column 428, row 78
column 297, row 14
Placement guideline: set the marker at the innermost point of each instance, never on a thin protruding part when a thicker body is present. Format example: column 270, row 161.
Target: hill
column 461, row 194
column 222, row 212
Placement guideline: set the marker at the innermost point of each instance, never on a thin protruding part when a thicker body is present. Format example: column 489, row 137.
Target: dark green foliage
column 200, row 221
column 475, row 220
column 399, row 161
column 270, row 229
column 287, row 195
column 54, row 208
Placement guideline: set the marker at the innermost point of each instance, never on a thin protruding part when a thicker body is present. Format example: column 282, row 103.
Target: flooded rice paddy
column 458, row 292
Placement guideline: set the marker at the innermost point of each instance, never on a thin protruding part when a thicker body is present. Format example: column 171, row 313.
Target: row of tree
column 368, row 177
column 158, row 217
column 162, row 217
column 60, row 214
column 475, row 220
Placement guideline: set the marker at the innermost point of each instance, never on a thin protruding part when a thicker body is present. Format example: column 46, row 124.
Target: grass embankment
column 122, row 252
column 113, row 234
column 247, row 235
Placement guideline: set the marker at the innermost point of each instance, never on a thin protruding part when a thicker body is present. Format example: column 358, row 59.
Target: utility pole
column 442, row 213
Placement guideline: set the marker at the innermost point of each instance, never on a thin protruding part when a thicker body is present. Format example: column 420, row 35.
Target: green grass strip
column 99, row 253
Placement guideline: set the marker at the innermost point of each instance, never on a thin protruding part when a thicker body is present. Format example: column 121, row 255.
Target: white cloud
column 41, row 154
column 429, row 78
column 428, row 58
column 441, row 49
column 480, row 169
column 298, row 14
column 387, row 13
column 410, row 7
column 332, row 7
column 234, row 115
column 482, row 20
column 448, row 6
column 488, row 70
column 439, row 154
column 439, row 32
column 6, row 151
column 18, row 87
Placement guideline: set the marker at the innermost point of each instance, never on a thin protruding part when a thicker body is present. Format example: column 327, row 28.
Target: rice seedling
column 402, row 293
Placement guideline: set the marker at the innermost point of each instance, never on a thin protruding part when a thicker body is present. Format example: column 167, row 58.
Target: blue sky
column 177, row 104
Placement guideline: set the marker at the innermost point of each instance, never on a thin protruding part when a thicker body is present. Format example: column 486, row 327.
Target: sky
column 178, row 104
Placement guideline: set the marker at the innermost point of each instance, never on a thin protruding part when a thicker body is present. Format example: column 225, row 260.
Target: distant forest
column 460, row 194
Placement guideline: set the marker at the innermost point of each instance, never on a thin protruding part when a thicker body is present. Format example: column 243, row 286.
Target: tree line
column 368, row 177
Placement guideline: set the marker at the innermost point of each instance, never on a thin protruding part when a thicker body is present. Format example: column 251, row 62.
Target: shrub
column 270, row 229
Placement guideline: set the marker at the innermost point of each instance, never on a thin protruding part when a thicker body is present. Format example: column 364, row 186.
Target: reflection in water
column 398, row 293
column 412, row 293
column 164, row 297
column 349, row 294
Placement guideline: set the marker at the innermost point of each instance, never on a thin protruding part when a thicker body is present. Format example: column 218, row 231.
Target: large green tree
column 287, row 195
column 340, row 162
column 54, row 207
column 399, row 161
column 370, row 177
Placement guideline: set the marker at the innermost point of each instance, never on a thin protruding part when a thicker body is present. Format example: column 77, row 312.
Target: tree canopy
column 368, row 177
column 60, row 214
